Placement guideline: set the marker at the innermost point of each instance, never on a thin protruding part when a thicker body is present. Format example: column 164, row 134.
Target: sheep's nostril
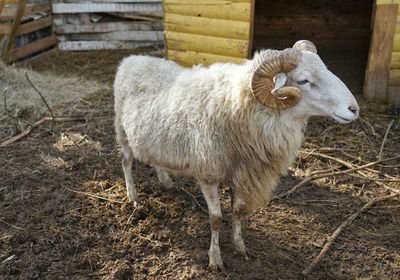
column 353, row 110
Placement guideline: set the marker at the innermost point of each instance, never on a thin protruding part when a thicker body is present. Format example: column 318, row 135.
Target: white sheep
column 237, row 125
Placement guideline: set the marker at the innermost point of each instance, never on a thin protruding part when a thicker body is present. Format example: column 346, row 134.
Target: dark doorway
column 339, row 29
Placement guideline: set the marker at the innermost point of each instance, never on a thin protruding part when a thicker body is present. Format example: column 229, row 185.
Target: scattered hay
column 19, row 98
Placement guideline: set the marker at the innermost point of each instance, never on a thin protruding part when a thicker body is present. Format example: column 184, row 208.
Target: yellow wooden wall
column 207, row 31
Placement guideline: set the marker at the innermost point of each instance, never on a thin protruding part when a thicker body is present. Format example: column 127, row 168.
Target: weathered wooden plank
column 151, row 36
column 35, row 25
column 33, row 47
column 101, row 45
column 215, row 9
column 101, row 27
column 207, row 26
column 395, row 60
column 146, row 8
column 5, row 28
column 37, row 58
column 189, row 58
column 207, row 44
column 9, row 11
column 377, row 71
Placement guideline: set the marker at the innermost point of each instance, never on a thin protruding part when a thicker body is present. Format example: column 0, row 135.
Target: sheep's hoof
column 216, row 262
column 217, row 267
column 240, row 248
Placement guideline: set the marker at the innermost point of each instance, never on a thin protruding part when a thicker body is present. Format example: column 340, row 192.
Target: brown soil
column 64, row 212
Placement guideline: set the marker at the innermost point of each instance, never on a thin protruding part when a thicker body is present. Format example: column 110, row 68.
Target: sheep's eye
column 302, row 82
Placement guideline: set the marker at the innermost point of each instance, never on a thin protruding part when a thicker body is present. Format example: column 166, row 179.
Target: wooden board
column 189, row 58
column 207, row 26
column 100, row 45
column 102, row 27
column 207, row 44
column 9, row 11
column 35, row 25
column 395, row 60
column 150, row 36
column 230, row 10
column 145, row 8
column 33, row 47
column 377, row 72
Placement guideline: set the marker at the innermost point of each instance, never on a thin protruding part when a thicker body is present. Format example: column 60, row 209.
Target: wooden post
column 378, row 67
column 14, row 27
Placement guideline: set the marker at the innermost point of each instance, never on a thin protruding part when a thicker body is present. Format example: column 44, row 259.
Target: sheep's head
column 298, row 78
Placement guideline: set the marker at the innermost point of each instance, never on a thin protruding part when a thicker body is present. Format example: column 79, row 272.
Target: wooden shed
column 358, row 39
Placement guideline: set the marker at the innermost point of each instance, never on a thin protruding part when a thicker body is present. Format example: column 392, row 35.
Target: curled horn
column 305, row 45
column 267, row 66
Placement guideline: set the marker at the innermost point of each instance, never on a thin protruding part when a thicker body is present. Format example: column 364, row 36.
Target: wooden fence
column 25, row 29
column 108, row 24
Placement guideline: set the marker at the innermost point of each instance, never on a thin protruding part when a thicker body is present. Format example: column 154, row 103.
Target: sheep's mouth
column 341, row 119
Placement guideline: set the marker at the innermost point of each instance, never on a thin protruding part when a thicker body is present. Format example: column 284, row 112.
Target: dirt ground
column 64, row 212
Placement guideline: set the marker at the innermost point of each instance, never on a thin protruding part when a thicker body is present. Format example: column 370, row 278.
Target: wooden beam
column 377, row 71
column 33, row 47
column 14, row 28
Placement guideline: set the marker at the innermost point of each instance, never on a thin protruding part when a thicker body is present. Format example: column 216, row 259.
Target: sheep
column 233, row 125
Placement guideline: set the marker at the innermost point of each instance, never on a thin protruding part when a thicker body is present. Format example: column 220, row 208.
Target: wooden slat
column 377, row 71
column 395, row 60
column 146, row 8
column 5, row 28
column 394, row 77
column 189, row 58
column 35, row 25
column 151, row 36
column 37, row 58
column 207, row 26
column 9, row 11
column 396, row 41
column 206, row 44
column 101, row 45
column 101, row 27
column 229, row 10
column 33, row 47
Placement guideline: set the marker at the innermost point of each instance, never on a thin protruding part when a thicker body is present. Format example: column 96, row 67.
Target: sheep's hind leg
column 127, row 159
column 211, row 194
column 164, row 178
column 237, row 215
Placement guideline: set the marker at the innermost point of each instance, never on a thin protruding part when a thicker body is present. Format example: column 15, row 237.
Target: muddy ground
column 64, row 212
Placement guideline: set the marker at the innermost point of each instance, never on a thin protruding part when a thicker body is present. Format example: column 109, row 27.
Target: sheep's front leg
column 211, row 193
column 127, row 159
column 237, row 215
